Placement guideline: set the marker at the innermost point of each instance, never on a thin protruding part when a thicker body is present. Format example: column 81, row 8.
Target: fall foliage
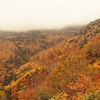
column 51, row 64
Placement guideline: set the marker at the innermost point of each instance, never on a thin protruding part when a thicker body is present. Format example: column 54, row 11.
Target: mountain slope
column 19, row 47
column 69, row 70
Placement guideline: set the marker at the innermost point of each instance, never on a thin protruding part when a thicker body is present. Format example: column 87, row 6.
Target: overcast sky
column 18, row 15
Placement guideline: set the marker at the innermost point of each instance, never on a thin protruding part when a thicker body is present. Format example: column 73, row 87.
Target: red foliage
column 0, row 67
column 14, row 94
column 98, row 76
column 98, row 51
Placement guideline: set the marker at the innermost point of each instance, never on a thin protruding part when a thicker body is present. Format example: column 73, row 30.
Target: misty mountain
column 51, row 64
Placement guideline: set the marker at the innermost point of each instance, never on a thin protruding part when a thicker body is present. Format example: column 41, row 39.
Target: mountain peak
column 91, row 29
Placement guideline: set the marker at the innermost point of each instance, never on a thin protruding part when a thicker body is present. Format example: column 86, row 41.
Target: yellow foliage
column 2, row 94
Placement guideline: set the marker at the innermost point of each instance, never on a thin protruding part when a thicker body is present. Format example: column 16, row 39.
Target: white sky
column 36, row 14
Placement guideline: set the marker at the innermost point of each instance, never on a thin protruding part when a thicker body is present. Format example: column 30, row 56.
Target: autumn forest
column 52, row 64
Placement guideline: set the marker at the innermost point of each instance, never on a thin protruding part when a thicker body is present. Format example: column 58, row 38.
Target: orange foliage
column 27, row 94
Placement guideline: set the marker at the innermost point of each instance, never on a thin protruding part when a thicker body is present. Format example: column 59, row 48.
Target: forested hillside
column 17, row 48
column 67, row 68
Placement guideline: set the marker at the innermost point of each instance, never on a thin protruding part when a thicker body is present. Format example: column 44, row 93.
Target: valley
column 51, row 64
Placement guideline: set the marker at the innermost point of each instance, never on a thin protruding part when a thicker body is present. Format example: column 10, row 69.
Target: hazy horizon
column 23, row 15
